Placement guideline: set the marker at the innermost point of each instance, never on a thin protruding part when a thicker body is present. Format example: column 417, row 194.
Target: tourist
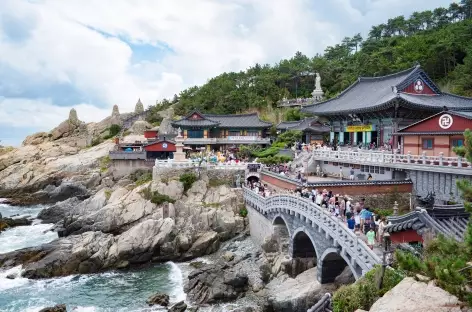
column 381, row 230
column 351, row 174
column 369, row 177
column 348, row 203
column 371, row 238
column 351, row 223
column 340, row 173
column 357, row 218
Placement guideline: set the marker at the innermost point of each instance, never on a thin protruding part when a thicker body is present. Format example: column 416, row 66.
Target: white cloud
column 65, row 42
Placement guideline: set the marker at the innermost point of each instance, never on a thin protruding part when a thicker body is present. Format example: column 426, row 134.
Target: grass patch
column 188, row 179
column 107, row 194
column 105, row 163
column 96, row 141
column 156, row 197
column 212, row 205
column 6, row 149
column 196, row 264
column 141, row 176
column 363, row 293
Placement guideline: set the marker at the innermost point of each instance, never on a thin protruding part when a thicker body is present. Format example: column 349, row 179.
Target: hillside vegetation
column 440, row 40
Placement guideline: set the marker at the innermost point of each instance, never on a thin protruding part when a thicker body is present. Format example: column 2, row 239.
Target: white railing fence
column 392, row 158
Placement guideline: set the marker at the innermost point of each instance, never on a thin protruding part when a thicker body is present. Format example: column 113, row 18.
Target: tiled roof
column 304, row 124
column 239, row 121
column 430, row 133
column 223, row 121
column 159, row 141
column 467, row 115
column 448, row 220
column 438, row 102
column 374, row 93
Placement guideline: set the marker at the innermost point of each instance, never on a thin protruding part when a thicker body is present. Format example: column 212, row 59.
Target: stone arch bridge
column 309, row 232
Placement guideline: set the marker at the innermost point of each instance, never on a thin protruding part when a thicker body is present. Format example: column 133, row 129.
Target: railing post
column 394, row 158
column 459, row 161
column 395, row 209
column 371, row 155
column 408, row 157
column 441, row 159
column 423, row 158
column 382, row 157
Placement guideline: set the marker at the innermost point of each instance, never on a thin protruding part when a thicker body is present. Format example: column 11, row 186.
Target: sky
column 92, row 54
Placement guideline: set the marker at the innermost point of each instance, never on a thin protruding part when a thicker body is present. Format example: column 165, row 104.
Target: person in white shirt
column 348, row 205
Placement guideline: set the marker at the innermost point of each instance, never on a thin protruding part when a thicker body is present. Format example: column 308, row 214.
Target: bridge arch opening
column 281, row 234
column 332, row 266
column 252, row 179
column 304, row 255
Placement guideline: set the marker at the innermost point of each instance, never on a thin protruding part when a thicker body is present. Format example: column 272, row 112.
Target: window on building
column 234, row 133
column 457, row 142
column 427, row 143
column 382, row 170
column 253, row 133
column 195, row 134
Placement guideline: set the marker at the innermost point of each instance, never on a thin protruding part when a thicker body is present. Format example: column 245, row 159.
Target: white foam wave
column 6, row 283
column 26, row 236
column 176, row 278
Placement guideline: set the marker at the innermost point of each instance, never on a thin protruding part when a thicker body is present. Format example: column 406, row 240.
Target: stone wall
column 444, row 185
column 259, row 226
column 123, row 167
column 167, row 174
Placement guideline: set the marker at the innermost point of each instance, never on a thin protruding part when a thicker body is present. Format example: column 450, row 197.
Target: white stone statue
column 179, row 132
column 318, row 82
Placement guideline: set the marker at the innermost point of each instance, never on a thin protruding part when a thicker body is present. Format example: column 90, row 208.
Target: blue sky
column 90, row 55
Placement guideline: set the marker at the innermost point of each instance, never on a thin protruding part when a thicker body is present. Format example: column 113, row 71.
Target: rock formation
column 140, row 126
column 139, row 108
column 410, row 295
column 115, row 112
column 121, row 227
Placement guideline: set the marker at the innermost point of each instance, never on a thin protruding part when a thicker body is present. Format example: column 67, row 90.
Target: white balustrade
column 391, row 158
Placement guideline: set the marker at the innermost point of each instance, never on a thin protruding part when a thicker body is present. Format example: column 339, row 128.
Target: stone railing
column 122, row 155
column 386, row 158
column 228, row 140
column 314, row 216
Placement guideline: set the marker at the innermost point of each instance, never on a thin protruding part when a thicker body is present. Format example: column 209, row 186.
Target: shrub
column 363, row 293
column 243, row 211
column 158, row 199
column 188, row 179
column 104, row 163
column 141, row 175
column 114, row 130
column 144, row 178
column 96, row 141
column 107, row 194
column 218, row 182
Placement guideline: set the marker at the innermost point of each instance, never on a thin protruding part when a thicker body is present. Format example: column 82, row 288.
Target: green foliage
column 289, row 137
column 104, row 163
column 107, row 194
column 141, row 176
column 96, row 141
column 381, row 212
column 363, row 293
column 113, row 130
column 440, row 40
column 243, row 212
column 275, row 160
column 188, row 179
column 270, row 151
column 294, row 114
column 160, row 199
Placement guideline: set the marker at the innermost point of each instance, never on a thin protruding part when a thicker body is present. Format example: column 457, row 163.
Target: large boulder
column 207, row 243
column 216, row 283
column 178, row 307
column 410, row 295
column 296, row 294
column 140, row 243
column 58, row 211
column 36, row 139
column 56, row 308
column 159, row 299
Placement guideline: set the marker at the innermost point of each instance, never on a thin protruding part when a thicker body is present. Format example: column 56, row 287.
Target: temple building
column 373, row 109
column 222, row 132
column 436, row 135
column 313, row 131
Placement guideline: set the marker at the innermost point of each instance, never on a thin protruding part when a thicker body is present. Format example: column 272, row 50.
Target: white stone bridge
column 311, row 232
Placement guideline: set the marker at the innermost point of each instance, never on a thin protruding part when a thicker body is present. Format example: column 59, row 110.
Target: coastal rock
column 58, row 211
column 159, row 299
column 178, row 307
column 345, row 278
column 206, row 244
column 36, row 139
column 13, row 222
column 216, row 283
column 138, row 244
column 56, row 308
column 295, row 294
column 410, row 295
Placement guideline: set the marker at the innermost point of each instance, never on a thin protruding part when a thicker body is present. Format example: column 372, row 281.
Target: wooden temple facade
column 373, row 109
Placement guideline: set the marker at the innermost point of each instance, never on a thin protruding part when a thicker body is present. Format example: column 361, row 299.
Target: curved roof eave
column 354, row 111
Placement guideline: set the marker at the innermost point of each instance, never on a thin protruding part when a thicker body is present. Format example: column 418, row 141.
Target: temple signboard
column 359, row 128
